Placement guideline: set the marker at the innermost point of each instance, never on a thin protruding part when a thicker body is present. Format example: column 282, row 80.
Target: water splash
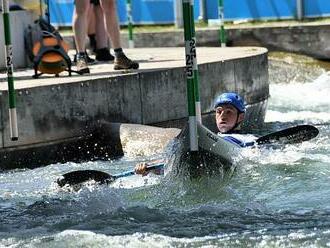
column 277, row 197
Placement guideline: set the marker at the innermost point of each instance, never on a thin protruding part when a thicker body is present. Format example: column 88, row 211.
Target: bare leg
column 111, row 21
column 91, row 20
column 91, row 27
column 101, row 33
column 80, row 24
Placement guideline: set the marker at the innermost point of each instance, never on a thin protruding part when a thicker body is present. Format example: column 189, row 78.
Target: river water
column 277, row 197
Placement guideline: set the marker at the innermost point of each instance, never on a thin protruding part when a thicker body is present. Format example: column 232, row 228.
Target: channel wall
column 67, row 118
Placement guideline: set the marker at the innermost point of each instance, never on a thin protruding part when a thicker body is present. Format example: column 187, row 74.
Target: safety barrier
column 163, row 11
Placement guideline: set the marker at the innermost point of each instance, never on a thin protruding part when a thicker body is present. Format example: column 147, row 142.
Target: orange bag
column 46, row 49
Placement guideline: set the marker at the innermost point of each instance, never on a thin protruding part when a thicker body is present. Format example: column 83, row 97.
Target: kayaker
column 229, row 116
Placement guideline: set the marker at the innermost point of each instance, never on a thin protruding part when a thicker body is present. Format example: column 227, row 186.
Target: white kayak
column 216, row 145
column 216, row 156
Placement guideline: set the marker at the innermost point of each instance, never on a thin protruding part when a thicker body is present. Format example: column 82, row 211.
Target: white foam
column 312, row 96
column 291, row 116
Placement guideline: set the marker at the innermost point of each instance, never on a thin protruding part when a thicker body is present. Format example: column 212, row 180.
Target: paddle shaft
column 290, row 135
column 81, row 176
column 132, row 172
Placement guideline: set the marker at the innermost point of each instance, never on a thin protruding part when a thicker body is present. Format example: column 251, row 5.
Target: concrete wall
column 74, row 110
column 306, row 39
column 145, row 98
column 311, row 40
column 56, row 112
column 19, row 20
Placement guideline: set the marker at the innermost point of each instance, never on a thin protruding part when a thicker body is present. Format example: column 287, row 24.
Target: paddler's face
column 226, row 117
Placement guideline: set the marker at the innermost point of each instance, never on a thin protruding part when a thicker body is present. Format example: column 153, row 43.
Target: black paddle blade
column 81, row 176
column 291, row 135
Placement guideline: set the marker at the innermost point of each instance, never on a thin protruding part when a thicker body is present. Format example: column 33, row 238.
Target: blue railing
column 268, row 9
column 144, row 12
column 162, row 11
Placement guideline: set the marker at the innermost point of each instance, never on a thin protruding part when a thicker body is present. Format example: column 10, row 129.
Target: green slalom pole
column 130, row 23
column 190, row 51
column 10, row 69
column 195, row 65
column 222, row 32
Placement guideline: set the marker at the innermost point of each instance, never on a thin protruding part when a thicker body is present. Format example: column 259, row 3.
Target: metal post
column 130, row 23
column 10, row 69
column 202, row 12
column 178, row 13
column 300, row 9
column 222, row 32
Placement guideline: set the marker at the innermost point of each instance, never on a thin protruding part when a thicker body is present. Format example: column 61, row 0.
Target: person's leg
column 91, row 20
column 112, row 25
column 91, row 31
column 102, row 52
column 91, row 36
column 100, row 29
column 80, row 32
column 111, row 22
column 80, row 23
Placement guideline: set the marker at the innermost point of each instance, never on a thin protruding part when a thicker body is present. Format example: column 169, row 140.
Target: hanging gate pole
column 222, row 32
column 191, row 73
column 300, row 9
column 195, row 65
column 10, row 69
column 130, row 23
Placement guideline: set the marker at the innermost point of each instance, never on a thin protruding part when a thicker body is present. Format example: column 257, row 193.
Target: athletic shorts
column 95, row 2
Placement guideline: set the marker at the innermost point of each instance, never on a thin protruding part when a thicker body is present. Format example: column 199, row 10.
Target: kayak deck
column 215, row 157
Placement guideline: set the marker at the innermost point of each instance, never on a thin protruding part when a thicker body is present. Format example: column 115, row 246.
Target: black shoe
column 92, row 42
column 103, row 54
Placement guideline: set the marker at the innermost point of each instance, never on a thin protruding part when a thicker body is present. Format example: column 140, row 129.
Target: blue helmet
column 232, row 99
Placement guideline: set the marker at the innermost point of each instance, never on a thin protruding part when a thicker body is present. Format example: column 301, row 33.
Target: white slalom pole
column 10, row 69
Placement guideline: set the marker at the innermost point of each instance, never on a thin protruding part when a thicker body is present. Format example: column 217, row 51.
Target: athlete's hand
column 141, row 168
